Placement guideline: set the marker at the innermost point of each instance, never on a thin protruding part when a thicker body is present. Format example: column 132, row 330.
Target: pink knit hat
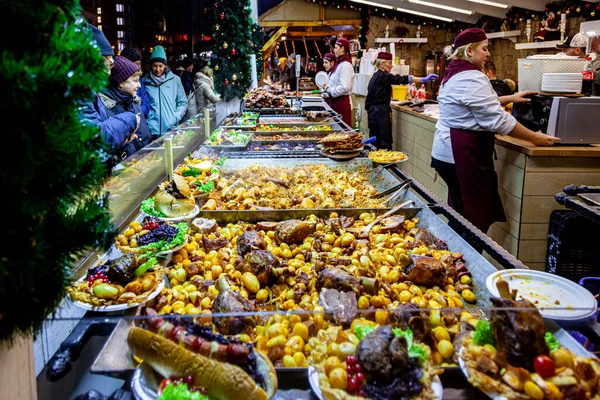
column 122, row 70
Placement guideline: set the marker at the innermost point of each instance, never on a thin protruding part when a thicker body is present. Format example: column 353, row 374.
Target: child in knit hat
column 121, row 97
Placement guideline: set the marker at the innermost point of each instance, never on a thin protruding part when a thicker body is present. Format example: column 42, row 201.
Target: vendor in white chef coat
column 339, row 88
column 471, row 114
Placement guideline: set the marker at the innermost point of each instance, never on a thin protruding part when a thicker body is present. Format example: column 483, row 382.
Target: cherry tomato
column 164, row 384
column 544, row 366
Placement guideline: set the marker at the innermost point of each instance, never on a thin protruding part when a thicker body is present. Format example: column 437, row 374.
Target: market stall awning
column 470, row 11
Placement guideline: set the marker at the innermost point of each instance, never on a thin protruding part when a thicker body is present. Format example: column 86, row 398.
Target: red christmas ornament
column 233, row 52
column 206, row 38
column 216, row 5
column 587, row 5
column 226, row 81
column 222, row 15
column 598, row 8
column 572, row 8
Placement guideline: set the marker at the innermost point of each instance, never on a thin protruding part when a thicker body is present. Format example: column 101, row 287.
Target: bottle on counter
column 422, row 94
column 587, row 77
column 413, row 91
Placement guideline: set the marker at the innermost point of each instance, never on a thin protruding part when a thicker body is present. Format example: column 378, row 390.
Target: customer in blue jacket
column 116, row 130
column 120, row 96
column 133, row 54
column 168, row 102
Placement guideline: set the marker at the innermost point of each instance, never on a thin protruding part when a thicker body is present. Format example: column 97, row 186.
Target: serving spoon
column 364, row 231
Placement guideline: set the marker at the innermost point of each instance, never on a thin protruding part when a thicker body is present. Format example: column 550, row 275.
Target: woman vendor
column 329, row 61
column 339, row 88
column 378, row 99
column 471, row 114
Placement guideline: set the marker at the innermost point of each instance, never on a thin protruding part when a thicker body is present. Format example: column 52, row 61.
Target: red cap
column 344, row 43
column 384, row 55
column 468, row 36
column 330, row 57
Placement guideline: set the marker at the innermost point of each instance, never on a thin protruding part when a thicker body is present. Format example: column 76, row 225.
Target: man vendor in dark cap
column 379, row 95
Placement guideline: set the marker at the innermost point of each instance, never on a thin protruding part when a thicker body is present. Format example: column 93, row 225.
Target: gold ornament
column 234, row 77
column 578, row 9
column 216, row 67
column 592, row 13
column 225, row 45
column 217, row 26
column 568, row 12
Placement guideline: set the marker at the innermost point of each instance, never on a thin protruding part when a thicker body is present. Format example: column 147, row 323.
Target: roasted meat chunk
column 519, row 334
column 342, row 306
column 430, row 240
column 336, row 278
column 292, row 231
column 426, row 271
column 261, row 263
column 121, row 270
column 248, row 241
column 228, row 301
column 373, row 354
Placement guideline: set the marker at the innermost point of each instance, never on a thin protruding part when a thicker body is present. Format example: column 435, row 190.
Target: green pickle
column 106, row 291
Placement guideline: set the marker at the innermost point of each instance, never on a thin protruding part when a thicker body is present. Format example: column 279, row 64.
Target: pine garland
column 53, row 208
column 233, row 36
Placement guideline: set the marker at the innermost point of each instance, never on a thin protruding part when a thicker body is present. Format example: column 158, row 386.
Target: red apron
column 342, row 105
column 474, row 160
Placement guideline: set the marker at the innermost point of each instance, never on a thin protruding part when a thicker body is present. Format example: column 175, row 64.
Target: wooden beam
column 332, row 22
column 272, row 10
column 273, row 38
column 295, row 34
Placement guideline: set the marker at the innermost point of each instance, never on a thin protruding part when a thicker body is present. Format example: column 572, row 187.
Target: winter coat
column 143, row 95
column 187, row 79
column 205, row 93
column 168, row 102
column 116, row 102
column 116, row 129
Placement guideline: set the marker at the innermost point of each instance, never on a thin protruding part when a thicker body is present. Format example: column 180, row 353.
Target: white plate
column 191, row 215
column 119, row 307
column 321, row 78
column 544, row 290
column 313, row 379
column 463, row 368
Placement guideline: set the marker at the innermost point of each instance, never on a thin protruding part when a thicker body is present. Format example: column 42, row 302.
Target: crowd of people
column 136, row 108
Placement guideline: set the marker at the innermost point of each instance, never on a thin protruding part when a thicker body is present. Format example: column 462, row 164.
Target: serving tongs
column 505, row 291
column 398, row 191
column 363, row 232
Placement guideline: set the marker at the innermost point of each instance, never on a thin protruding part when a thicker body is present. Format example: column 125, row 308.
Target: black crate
column 573, row 246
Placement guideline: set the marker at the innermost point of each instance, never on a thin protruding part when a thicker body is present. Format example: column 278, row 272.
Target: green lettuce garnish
column 551, row 341
column 221, row 161
column 148, row 208
column 181, row 392
column 205, row 187
column 483, row 334
column 363, row 330
column 414, row 350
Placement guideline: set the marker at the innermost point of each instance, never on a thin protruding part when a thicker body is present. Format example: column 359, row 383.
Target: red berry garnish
column 208, row 173
column 362, row 393
column 203, row 390
column 189, row 380
column 351, row 384
column 349, row 369
column 350, row 360
column 357, row 368
column 360, row 377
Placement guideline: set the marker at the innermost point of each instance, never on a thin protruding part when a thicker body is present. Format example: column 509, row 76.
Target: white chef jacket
column 341, row 80
column 468, row 101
